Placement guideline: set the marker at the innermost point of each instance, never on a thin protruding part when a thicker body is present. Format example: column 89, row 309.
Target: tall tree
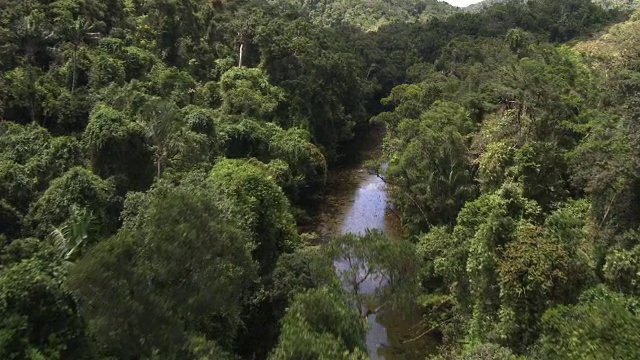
column 179, row 268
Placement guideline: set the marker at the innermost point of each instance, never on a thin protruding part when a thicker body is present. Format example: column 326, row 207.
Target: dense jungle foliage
column 158, row 157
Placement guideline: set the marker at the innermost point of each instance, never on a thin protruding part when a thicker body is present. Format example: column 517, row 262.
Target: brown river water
column 358, row 201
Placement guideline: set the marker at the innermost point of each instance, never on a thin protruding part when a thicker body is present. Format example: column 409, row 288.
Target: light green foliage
column 373, row 257
column 493, row 164
column 603, row 165
column 485, row 351
column 618, row 4
column 180, row 265
column 534, row 271
column 171, row 84
column 20, row 143
column 19, row 250
column 162, row 121
column 488, row 223
column 544, row 137
column 429, row 170
column 29, row 159
column 409, row 101
column 260, row 204
column 443, row 257
column 621, row 265
column 20, row 103
column 106, row 70
column 77, row 187
column 601, row 326
column 138, row 62
column 63, row 153
column 373, row 15
column 117, row 147
column 541, row 169
column 467, row 260
column 320, row 324
column 504, row 270
column 199, row 141
column 203, row 349
column 306, row 165
column 73, row 237
column 247, row 92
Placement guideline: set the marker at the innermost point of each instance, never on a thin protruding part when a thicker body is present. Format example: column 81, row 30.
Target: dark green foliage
column 20, row 250
column 10, row 220
column 305, row 268
column 38, row 315
column 29, row 159
column 295, row 58
column 179, row 267
column 511, row 157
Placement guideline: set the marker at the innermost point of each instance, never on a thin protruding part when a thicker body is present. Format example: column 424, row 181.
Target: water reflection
column 368, row 212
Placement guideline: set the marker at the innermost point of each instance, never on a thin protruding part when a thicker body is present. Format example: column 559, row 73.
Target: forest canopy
column 159, row 161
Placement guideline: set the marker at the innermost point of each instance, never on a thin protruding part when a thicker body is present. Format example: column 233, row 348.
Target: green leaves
column 38, row 316
column 180, row 265
column 259, row 204
column 117, row 147
column 77, row 187
column 320, row 324
column 72, row 237
column 602, row 325
column 248, row 92
column 429, row 169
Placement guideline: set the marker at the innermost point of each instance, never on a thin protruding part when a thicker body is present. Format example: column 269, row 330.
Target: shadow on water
column 358, row 201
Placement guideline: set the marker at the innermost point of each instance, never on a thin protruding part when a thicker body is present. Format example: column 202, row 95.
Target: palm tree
column 78, row 32
column 162, row 123
column 29, row 35
column 73, row 235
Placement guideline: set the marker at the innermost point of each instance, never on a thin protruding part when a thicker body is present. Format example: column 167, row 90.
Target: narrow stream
column 358, row 201
column 368, row 212
column 389, row 329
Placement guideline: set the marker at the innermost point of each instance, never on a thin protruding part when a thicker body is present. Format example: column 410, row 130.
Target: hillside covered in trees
column 158, row 160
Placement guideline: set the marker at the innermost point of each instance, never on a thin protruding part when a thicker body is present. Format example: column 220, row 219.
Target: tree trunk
column 32, row 93
column 159, row 156
column 159, row 165
column 32, row 106
column 74, row 73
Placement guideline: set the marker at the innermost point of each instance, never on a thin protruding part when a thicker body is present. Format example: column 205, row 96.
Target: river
column 368, row 212
column 358, row 201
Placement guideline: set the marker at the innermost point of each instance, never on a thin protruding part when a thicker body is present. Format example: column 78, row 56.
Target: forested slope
column 513, row 162
column 147, row 180
column 370, row 15
column 156, row 157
